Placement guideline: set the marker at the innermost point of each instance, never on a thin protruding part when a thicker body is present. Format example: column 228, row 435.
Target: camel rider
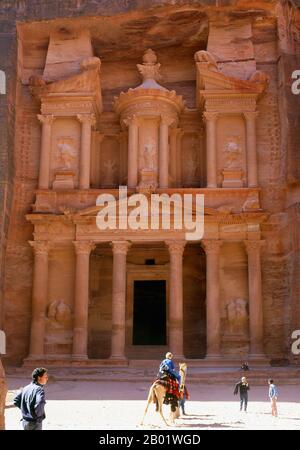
column 167, row 368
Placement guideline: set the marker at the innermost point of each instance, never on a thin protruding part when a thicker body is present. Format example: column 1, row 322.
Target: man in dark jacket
column 243, row 387
column 31, row 400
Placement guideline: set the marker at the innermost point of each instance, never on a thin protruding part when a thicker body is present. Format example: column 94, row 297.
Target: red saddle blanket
column 171, row 385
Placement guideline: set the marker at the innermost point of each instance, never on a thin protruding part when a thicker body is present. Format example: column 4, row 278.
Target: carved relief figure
column 203, row 56
column 233, row 152
column 59, row 313
column 149, row 155
column 237, row 316
column 67, row 152
column 252, row 202
column 109, row 174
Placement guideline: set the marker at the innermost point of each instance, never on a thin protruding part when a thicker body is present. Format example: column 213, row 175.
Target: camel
column 157, row 394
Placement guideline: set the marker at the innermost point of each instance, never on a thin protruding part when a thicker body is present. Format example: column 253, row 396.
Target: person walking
column 31, row 400
column 183, row 397
column 243, row 387
column 273, row 395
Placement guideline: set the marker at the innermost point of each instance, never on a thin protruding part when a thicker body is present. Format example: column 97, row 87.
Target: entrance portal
column 149, row 312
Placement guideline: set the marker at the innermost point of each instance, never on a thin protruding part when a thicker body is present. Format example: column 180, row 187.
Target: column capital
column 46, row 119
column 176, row 247
column 84, row 247
column 131, row 120
column 250, row 115
column 40, row 247
column 120, row 247
column 87, row 118
column 166, row 120
column 210, row 116
column 253, row 246
column 211, row 245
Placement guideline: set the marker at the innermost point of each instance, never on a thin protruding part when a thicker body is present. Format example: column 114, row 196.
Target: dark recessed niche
column 150, row 262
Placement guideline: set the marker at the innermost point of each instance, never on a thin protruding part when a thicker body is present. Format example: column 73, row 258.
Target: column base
column 214, row 357
column 258, row 358
column 79, row 357
column 117, row 358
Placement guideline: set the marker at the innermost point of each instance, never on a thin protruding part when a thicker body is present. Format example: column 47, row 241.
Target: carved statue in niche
column 191, row 168
column 67, row 152
column 237, row 316
column 233, row 152
column 59, row 314
column 109, row 174
column 149, row 155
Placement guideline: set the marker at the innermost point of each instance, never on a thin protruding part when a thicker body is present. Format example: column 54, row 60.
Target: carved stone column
column 179, row 159
column 255, row 298
column 174, row 132
column 98, row 160
column 39, row 298
column 251, row 148
column 120, row 249
column 211, row 147
column 213, row 313
column 133, row 136
column 176, row 249
column 3, row 392
column 44, row 170
column 87, row 121
column 81, row 302
column 164, row 152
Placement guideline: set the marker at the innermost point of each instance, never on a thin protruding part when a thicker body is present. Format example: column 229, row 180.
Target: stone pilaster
column 81, row 301
column 251, row 148
column 176, row 249
column 133, row 137
column 213, row 313
column 164, row 152
column 87, row 121
column 120, row 249
column 44, row 169
column 39, row 298
column 253, row 249
column 211, row 147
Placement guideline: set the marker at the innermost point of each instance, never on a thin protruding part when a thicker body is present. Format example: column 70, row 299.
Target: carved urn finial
column 149, row 57
column 150, row 67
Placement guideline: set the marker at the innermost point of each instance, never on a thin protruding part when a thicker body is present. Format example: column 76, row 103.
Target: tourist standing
column 273, row 395
column 243, row 387
column 31, row 400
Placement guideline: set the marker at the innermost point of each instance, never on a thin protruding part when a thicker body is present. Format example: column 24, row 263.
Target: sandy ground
column 120, row 405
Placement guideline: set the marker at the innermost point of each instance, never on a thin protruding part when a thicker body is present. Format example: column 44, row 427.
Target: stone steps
column 203, row 375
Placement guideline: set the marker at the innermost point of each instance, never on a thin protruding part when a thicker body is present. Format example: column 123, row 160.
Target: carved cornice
column 211, row 245
column 120, row 247
column 40, row 247
column 84, row 247
column 176, row 247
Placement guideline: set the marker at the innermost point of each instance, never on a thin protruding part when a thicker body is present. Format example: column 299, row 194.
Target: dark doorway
column 149, row 312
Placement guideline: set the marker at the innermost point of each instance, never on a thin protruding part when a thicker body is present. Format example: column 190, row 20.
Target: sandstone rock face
column 3, row 391
column 58, row 53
